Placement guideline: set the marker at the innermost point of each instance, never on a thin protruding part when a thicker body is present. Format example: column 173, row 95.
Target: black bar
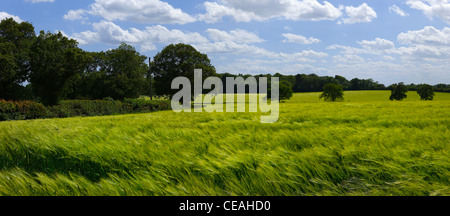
column 231, row 205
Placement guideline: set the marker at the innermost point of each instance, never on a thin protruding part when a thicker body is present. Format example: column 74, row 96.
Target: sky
column 389, row 41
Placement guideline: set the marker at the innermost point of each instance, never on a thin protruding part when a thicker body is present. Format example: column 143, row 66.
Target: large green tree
column 398, row 91
column 425, row 91
column 55, row 60
column 118, row 73
column 332, row 92
column 179, row 60
column 15, row 42
column 124, row 70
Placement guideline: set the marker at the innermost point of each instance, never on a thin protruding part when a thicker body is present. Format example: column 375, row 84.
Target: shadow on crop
column 57, row 161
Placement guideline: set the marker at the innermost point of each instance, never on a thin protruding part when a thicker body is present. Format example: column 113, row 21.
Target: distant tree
column 398, row 91
column 15, row 42
column 425, row 91
column 332, row 92
column 54, row 60
column 178, row 60
column 342, row 81
column 442, row 87
column 285, row 91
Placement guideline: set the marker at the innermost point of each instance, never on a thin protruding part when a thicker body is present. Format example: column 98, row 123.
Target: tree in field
column 332, row 92
column 425, row 91
column 54, row 60
column 179, row 60
column 15, row 42
column 285, row 90
column 398, row 91
column 124, row 71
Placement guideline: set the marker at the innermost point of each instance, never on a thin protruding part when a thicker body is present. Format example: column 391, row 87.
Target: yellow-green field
column 366, row 145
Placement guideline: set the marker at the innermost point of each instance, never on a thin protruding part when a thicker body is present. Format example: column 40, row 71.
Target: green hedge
column 73, row 108
column 19, row 110
column 140, row 105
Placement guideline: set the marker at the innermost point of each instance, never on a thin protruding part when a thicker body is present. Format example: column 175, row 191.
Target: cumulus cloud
column 377, row 44
column 432, row 8
column 110, row 33
column 300, row 39
column 259, row 10
column 140, row 11
column 360, row 14
column 425, row 46
column 75, row 14
column 427, row 36
column 397, row 10
column 4, row 15
column 237, row 35
column 230, row 47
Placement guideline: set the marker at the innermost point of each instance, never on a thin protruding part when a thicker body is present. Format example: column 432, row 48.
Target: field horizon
column 364, row 145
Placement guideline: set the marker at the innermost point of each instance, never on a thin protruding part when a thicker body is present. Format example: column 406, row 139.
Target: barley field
column 365, row 145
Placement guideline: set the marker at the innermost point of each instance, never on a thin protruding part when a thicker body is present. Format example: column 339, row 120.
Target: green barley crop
column 365, row 145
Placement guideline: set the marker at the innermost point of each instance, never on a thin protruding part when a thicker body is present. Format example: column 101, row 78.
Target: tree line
column 50, row 67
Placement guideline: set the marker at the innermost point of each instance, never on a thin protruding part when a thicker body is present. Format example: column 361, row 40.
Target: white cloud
column 75, row 14
column 379, row 57
column 237, row 35
column 110, row 33
column 377, row 44
column 360, row 14
column 230, row 47
column 140, row 11
column 259, row 10
column 432, row 8
column 427, row 44
column 300, row 39
column 4, row 15
column 428, row 35
column 397, row 10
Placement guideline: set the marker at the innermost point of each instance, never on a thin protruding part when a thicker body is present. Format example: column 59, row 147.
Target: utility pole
column 150, row 76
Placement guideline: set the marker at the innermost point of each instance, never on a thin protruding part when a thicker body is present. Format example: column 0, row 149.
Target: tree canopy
column 332, row 92
column 425, row 91
column 177, row 60
column 54, row 60
column 15, row 42
column 398, row 91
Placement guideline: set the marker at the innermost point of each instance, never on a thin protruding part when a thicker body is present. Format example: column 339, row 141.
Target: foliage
column 285, row 91
column 140, row 105
column 179, row 60
column 314, row 83
column 55, row 60
column 398, row 91
column 442, row 87
column 73, row 108
column 332, row 92
column 364, row 147
column 15, row 42
column 19, row 110
column 425, row 91
column 124, row 71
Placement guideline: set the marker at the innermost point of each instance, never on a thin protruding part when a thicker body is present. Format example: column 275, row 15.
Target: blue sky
column 387, row 40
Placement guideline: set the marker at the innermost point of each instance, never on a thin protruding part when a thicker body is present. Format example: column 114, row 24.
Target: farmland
column 365, row 145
